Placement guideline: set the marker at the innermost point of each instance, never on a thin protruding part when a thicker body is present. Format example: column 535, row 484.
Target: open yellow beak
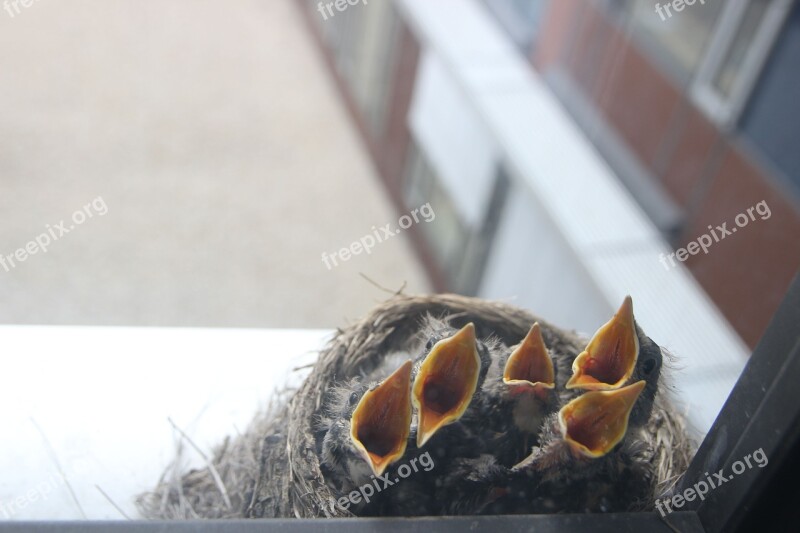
column 595, row 422
column 529, row 367
column 446, row 382
column 381, row 422
column 610, row 357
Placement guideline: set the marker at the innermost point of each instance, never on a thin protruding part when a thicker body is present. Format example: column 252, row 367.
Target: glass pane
column 729, row 70
column 520, row 18
column 448, row 237
column 680, row 37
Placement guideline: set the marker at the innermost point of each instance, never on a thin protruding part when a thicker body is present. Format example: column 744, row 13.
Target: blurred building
column 569, row 147
column 697, row 113
column 692, row 111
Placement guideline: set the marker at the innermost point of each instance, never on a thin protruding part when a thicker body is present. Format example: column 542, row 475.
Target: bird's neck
column 528, row 412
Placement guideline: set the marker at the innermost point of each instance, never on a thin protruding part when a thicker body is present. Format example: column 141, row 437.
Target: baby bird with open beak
column 366, row 428
column 518, row 394
column 446, row 377
column 587, row 460
column 618, row 354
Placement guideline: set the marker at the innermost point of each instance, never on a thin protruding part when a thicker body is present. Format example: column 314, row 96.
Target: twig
column 117, row 507
column 398, row 292
column 209, row 464
column 54, row 457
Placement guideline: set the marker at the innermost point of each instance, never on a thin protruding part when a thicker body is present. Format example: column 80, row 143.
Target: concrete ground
column 212, row 138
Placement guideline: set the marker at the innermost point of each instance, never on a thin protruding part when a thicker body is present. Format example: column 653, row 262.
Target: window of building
column 736, row 54
column 676, row 40
column 771, row 121
column 364, row 46
column 459, row 249
column 716, row 49
column 447, row 239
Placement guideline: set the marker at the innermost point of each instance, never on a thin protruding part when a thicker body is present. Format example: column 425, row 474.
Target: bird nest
column 273, row 469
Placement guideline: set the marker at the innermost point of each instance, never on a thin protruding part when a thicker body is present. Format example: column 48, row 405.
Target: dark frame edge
column 762, row 412
column 685, row 522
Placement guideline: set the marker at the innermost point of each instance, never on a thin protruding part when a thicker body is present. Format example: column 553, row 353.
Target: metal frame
column 686, row 522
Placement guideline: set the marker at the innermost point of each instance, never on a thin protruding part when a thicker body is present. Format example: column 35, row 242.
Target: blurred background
column 567, row 148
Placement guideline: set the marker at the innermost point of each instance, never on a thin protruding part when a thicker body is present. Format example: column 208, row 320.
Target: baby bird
column 584, row 463
column 366, row 428
column 619, row 353
column 518, row 394
column 446, row 376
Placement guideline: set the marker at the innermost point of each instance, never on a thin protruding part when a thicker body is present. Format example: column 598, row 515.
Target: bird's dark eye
column 353, row 397
column 429, row 344
column 648, row 366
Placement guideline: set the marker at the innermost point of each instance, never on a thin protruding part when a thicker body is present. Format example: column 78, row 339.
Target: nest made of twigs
column 273, row 469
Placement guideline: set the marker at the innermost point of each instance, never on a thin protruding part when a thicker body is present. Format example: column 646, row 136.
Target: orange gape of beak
column 381, row 421
column 446, row 382
column 610, row 357
column 529, row 367
column 593, row 423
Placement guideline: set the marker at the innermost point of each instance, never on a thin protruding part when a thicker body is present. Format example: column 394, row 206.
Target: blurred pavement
column 218, row 143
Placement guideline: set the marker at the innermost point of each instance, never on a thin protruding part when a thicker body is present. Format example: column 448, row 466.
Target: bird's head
column 595, row 422
column 451, row 368
column 618, row 354
column 529, row 369
column 381, row 420
column 584, row 430
column 371, row 429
